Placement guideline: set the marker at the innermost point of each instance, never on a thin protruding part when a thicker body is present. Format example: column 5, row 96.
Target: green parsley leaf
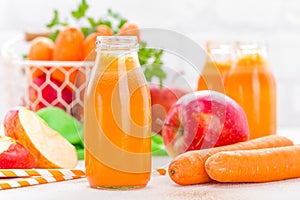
column 150, row 60
column 117, row 18
column 80, row 12
column 54, row 35
column 155, row 70
column 87, row 30
column 105, row 22
column 113, row 14
column 121, row 23
column 94, row 23
column 55, row 21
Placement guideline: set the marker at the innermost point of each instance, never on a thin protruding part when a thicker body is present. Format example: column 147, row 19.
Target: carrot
column 259, row 165
column 89, row 44
column 189, row 167
column 161, row 171
column 68, row 45
column 130, row 29
column 104, row 30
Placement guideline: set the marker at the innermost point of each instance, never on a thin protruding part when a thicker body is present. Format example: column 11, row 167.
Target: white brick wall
column 276, row 21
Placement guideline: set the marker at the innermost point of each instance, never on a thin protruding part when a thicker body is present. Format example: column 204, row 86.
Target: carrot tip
column 161, row 171
column 172, row 172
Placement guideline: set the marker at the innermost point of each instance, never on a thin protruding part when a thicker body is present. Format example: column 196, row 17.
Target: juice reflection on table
column 117, row 119
column 252, row 84
column 219, row 60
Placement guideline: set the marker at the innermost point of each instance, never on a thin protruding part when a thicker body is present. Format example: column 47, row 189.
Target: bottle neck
column 117, row 53
column 252, row 56
column 220, row 52
column 256, row 50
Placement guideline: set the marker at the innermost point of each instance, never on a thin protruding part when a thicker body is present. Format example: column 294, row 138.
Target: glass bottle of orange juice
column 219, row 60
column 117, row 118
column 252, row 84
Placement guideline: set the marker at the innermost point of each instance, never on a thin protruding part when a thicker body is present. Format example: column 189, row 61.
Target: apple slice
column 14, row 155
column 48, row 146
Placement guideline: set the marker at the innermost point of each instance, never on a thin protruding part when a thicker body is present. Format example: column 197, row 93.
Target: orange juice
column 252, row 84
column 117, row 119
column 213, row 76
column 220, row 57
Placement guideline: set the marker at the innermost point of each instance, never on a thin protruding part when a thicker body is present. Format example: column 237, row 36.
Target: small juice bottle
column 219, row 60
column 117, row 117
column 252, row 84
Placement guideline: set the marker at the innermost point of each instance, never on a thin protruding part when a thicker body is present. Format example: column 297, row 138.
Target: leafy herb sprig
column 81, row 10
column 150, row 59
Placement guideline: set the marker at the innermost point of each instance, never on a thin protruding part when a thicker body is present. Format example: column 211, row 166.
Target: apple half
column 50, row 148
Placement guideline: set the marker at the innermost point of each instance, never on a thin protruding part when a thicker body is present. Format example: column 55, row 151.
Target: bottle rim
column 252, row 47
column 220, row 47
column 116, row 42
column 252, row 44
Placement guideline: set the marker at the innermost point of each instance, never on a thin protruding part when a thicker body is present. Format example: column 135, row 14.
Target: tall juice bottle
column 219, row 60
column 252, row 84
column 117, row 117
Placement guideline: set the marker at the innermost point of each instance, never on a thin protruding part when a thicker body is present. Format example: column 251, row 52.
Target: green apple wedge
column 69, row 127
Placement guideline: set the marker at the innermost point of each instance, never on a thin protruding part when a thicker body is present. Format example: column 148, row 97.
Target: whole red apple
column 161, row 101
column 14, row 155
column 43, row 92
column 204, row 119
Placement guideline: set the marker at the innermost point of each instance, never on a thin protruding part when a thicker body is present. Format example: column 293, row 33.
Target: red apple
column 161, row 101
column 204, row 119
column 50, row 148
column 14, row 155
column 43, row 92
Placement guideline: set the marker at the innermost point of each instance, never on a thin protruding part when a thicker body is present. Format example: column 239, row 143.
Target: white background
column 276, row 21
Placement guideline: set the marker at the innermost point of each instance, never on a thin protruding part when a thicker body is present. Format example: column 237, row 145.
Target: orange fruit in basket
column 130, row 29
column 68, row 45
column 65, row 74
column 41, row 48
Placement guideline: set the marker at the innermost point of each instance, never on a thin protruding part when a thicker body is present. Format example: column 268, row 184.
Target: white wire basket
column 39, row 84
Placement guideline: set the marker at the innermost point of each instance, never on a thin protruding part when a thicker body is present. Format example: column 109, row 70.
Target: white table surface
column 161, row 187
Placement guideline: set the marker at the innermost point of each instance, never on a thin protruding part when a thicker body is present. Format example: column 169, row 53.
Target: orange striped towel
column 15, row 178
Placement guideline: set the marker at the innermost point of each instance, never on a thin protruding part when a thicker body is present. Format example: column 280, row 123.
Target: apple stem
column 159, row 121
